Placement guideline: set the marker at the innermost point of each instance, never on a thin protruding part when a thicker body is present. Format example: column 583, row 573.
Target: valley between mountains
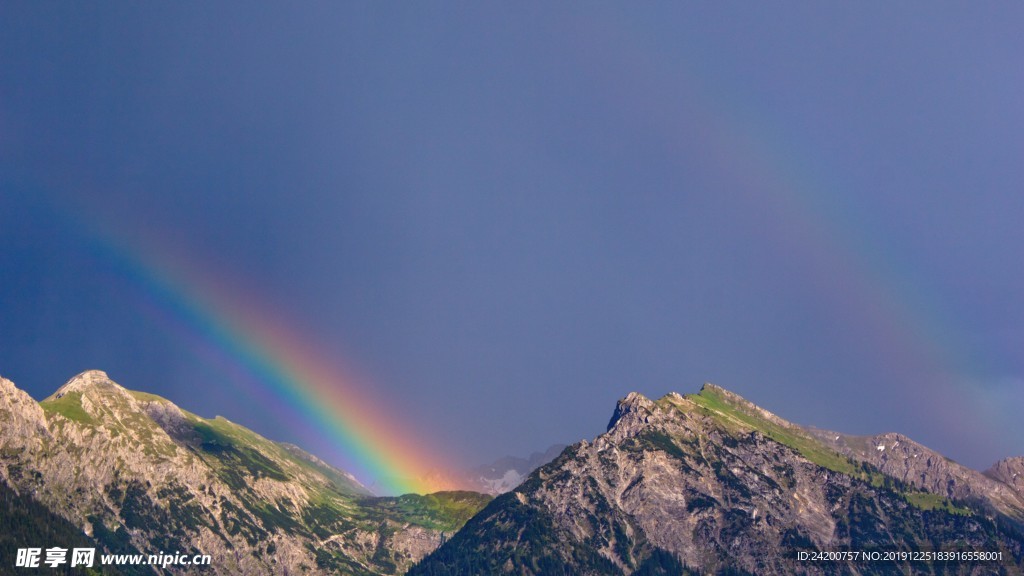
column 706, row 483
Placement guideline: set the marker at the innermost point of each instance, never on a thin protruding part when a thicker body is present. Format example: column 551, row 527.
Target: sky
column 487, row 222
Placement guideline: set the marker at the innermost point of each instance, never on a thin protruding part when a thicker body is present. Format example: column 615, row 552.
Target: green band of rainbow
column 289, row 372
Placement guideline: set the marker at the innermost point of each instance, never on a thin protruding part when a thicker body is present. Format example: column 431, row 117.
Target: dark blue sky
column 506, row 217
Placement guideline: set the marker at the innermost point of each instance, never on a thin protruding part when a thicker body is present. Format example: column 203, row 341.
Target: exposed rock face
column 137, row 473
column 907, row 461
column 25, row 423
column 1010, row 472
column 709, row 484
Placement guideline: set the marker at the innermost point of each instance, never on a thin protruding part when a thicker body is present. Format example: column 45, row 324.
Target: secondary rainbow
column 861, row 276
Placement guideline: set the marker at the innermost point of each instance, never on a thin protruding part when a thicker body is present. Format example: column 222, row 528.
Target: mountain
column 134, row 473
column 499, row 476
column 712, row 484
column 707, row 483
column 506, row 473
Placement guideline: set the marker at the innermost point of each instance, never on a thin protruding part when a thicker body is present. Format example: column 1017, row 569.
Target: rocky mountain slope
column 712, row 484
column 134, row 472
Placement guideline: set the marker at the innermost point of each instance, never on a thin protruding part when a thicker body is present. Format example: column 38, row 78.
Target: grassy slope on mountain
column 732, row 411
column 517, row 533
column 276, row 490
column 68, row 406
column 736, row 411
column 444, row 511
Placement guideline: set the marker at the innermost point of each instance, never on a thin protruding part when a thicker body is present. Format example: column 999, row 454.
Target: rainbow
column 863, row 280
column 282, row 370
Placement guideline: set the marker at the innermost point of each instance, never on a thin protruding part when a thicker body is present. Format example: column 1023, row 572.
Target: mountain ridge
column 137, row 473
column 697, row 483
column 710, row 483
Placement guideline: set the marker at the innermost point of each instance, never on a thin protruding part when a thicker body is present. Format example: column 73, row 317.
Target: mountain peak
column 91, row 397
column 634, row 403
column 713, row 387
column 710, row 483
column 86, row 381
column 715, row 392
column 1009, row 471
column 709, row 389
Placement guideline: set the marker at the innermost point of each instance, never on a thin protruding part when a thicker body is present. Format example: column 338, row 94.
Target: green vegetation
column 661, row 563
column 68, row 406
column 443, row 511
column 657, row 440
column 111, row 412
column 338, row 481
column 331, row 514
column 509, row 537
column 326, row 518
column 147, row 397
column 229, row 444
column 239, row 449
column 740, row 418
column 25, row 523
column 929, row 501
